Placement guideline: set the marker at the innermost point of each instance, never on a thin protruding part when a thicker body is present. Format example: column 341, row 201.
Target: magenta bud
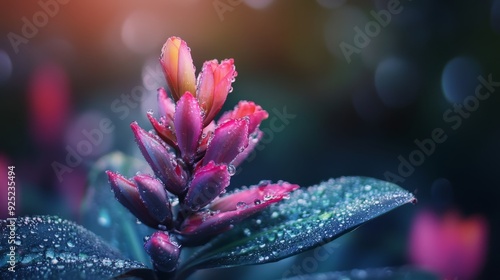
column 155, row 199
column 208, row 182
column 253, row 140
column 163, row 162
column 164, row 253
column 188, row 126
column 231, row 209
column 230, row 139
column 127, row 194
column 163, row 130
column 248, row 109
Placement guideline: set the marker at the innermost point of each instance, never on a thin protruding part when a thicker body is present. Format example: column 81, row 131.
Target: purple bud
column 188, row 125
column 208, row 182
column 163, row 162
column 164, row 253
column 230, row 139
column 155, row 198
column 127, row 194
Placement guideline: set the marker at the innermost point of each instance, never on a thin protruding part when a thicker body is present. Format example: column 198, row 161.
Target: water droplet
column 262, row 245
column 162, row 227
column 70, row 244
column 120, row 264
column 261, row 258
column 257, row 202
column 268, row 196
column 368, row 187
column 17, row 242
column 247, row 232
column 54, row 261
column 241, row 205
column 231, row 170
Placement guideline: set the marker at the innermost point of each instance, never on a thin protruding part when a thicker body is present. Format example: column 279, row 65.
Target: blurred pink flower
column 49, row 104
column 451, row 246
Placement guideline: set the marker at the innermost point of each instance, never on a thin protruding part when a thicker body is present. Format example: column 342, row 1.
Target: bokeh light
column 396, row 82
column 459, row 78
column 142, row 32
column 5, row 66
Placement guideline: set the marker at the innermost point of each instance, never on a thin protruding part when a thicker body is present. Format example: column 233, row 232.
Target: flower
column 453, row 247
column 193, row 158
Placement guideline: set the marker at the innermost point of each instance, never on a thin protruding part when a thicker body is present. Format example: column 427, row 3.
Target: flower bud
column 164, row 253
column 178, row 67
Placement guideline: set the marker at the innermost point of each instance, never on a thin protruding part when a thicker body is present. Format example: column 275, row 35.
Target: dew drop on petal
column 241, row 205
column 231, row 169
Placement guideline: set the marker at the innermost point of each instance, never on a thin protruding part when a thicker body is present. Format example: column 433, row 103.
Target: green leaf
column 48, row 247
column 311, row 217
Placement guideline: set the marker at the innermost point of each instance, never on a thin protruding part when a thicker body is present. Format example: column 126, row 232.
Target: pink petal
column 208, row 182
column 188, row 126
column 163, row 130
column 214, row 84
column 127, row 194
column 163, row 162
column 249, row 109
column 164, row 252
column 206, row 136
column 254, row 196
column 253, row 140
column 165, row 104
column 232, row 209
column 154, row 196
column 178, row 67
column 230, row 139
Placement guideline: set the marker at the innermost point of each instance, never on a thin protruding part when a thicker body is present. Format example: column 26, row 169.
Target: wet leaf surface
column 311, row 217
column 48, row 247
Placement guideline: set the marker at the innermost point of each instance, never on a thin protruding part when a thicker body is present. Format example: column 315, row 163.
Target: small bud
column 208, row 182
column 178, row 67
column 127, row 194
column 188, row 126
column 163, row 162
column 214, row 84
column 164, row 253
column 155, row 198
column 230, row 139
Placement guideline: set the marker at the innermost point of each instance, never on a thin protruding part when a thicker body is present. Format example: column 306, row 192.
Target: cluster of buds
column 193, row 158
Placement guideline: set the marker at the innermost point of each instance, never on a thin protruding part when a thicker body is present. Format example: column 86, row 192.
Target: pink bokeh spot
column 451, row 246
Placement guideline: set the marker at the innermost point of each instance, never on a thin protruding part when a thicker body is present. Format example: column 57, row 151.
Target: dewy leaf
column 47, row 247
column 309, row 218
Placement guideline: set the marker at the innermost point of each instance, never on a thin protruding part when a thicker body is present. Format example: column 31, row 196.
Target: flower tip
column 164, row 253
column 178, row 66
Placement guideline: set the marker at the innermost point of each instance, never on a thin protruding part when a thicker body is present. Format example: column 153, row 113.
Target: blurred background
column 405, row 91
